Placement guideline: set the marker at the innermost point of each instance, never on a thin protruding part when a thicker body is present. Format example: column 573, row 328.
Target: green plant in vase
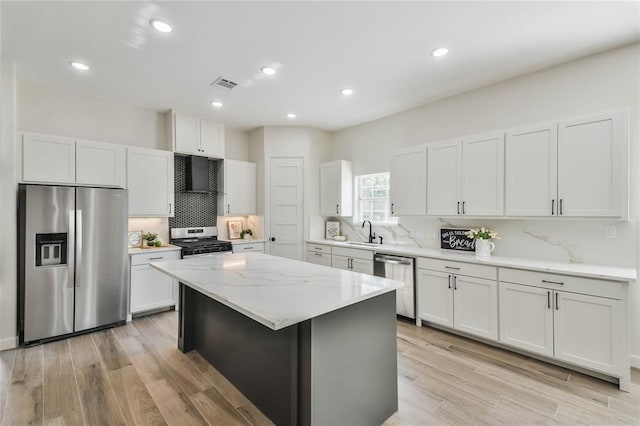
column 150, row 238
column 246, row 233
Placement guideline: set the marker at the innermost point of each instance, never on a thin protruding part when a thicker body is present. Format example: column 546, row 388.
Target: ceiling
column 380, row 49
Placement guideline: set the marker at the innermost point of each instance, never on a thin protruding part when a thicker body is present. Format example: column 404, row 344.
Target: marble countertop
column 614, row 273
column 275, row 291
column 153, row 250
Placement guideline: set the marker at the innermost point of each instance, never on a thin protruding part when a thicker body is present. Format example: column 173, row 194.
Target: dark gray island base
column 339, row 368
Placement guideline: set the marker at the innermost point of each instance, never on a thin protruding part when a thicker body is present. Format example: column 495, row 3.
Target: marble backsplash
column 557, row 239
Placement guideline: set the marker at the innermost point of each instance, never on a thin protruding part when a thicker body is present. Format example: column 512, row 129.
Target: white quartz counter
column 138, row 250
column 275, row 291
column 577, row 269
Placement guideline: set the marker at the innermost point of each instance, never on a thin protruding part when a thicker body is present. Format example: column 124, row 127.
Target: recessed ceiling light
column 79, row 66
column 347, row 92
column 217, row 104
column 160, row 26
column 268, row 70
column 291, row 115
column 440, row 51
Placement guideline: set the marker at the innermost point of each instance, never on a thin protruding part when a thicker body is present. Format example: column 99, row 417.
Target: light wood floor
column 135, row 375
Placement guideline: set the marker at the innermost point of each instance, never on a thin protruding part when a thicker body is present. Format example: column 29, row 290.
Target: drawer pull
column 248, row 248
column 317, row 254
column 156, row 258
column 452, row 267
column 318, row 248
column 552, row 282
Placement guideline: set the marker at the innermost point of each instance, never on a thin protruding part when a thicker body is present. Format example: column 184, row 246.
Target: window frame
column 357, row 217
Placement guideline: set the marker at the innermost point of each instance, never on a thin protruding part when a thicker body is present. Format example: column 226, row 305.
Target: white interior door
column 285, row 211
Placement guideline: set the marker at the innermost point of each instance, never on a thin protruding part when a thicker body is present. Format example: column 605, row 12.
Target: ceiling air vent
column 223, row 83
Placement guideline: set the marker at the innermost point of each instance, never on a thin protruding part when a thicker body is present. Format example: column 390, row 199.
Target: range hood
column 197, row 174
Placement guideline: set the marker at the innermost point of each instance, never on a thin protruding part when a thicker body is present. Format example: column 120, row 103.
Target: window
column 372, row 198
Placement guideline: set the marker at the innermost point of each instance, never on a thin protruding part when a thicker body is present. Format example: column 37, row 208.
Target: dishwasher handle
column 392, row 260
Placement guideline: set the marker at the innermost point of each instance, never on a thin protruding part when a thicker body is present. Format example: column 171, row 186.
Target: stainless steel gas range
column 202, row 241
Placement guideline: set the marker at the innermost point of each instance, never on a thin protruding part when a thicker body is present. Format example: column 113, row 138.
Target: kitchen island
column 307, row 344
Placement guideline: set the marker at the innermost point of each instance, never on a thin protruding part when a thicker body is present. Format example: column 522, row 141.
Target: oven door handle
column 391, row 260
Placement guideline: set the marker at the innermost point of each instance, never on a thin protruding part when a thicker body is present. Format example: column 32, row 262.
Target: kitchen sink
column 362, row 243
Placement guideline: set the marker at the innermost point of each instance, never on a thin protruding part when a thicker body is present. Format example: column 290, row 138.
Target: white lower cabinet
column 549, row 315
column 319, row 254
column 245, row 246
column 150, row 288
column 354, row 260
column 465, row 303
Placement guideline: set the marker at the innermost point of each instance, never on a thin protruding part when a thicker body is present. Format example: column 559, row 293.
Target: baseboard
column 8, row 343
column 635, row 361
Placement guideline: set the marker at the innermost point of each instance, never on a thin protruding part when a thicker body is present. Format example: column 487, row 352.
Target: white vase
column 484, row 248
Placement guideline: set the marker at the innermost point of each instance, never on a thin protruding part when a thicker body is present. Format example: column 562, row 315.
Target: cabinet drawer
column 354, row 253
column 602, row 288
column 320, row 248
column 143, row 259
column 458, row 268
column 242, row 248
column 319, row 258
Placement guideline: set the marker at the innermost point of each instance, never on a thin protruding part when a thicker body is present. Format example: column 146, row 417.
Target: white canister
column 484, row 248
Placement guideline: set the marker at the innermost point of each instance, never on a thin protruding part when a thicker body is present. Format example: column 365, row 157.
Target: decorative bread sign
column 456, row 239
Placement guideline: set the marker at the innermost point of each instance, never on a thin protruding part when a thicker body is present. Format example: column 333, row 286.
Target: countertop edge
column 611, row 273
column 137, row 250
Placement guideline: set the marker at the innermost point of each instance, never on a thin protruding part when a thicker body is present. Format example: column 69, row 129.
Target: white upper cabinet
column 237, row 188
column 99, row 163
column 532, row 170
column 466, row 177
column 483, row 175
column 408, row 190
column 336, row 188
column 444, row 178
column 194, row 136
column 593, row 166
column 55, row 159
column 574, row 168
column 150, row 176
column 48, row 159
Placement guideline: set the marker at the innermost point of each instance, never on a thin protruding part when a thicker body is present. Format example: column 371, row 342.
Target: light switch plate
column 610, row 232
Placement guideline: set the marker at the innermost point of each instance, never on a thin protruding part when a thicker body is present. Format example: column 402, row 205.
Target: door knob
column 273, row 238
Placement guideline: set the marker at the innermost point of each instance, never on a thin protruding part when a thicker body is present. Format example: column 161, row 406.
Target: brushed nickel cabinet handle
column 548, row 300
column 452, row 267
column 458, row 207
column 552, row 282
column 553, row 205
column 449, row 281
column 557, row 308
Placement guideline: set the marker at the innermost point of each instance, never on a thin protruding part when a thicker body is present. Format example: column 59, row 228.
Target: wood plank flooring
column 135, row 375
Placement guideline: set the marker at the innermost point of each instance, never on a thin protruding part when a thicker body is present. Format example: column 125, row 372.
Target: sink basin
column 358, row 243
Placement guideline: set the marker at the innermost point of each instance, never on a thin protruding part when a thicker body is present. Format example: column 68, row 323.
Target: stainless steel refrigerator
column 72, row 260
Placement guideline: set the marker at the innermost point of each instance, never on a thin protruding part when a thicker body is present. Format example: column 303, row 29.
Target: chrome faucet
column 372, row 236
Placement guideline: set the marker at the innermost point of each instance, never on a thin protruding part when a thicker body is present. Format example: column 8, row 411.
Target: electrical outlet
column 610, row 232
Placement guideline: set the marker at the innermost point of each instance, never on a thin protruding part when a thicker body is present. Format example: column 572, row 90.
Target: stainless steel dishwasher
column 401, row 269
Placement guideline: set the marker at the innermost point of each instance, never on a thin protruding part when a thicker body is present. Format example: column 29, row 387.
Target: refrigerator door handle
column 70, row 248
column 78, row 243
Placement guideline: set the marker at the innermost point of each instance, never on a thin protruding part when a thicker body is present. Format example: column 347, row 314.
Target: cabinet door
column 212, row 139
column 588, row 331
column 362, row 266
column 526, row 318
column 150, row 181
column 531, row 177
column 408, row 190
column 186, row 135
column 444, row 178
column 240, row 188
column 150, row 289
column 319, row 258
column 341, row 262
column 99, row 163
column 483, row 175
column 592, row 166
column 336, row 188
column 435, row 297
column 475, row 306
column 48, row 159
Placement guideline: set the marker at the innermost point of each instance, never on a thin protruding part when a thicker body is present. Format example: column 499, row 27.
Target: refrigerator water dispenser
column 51, row 249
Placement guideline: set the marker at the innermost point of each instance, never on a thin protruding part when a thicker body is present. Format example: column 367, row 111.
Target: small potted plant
column 245, row 234
column 150, row 238
column 483, row 238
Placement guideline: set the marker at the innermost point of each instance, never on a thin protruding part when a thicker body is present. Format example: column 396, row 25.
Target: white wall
column 45, row 110
column 599, row 83
column 8, row 237
column 311, row 144
column 236, row 145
